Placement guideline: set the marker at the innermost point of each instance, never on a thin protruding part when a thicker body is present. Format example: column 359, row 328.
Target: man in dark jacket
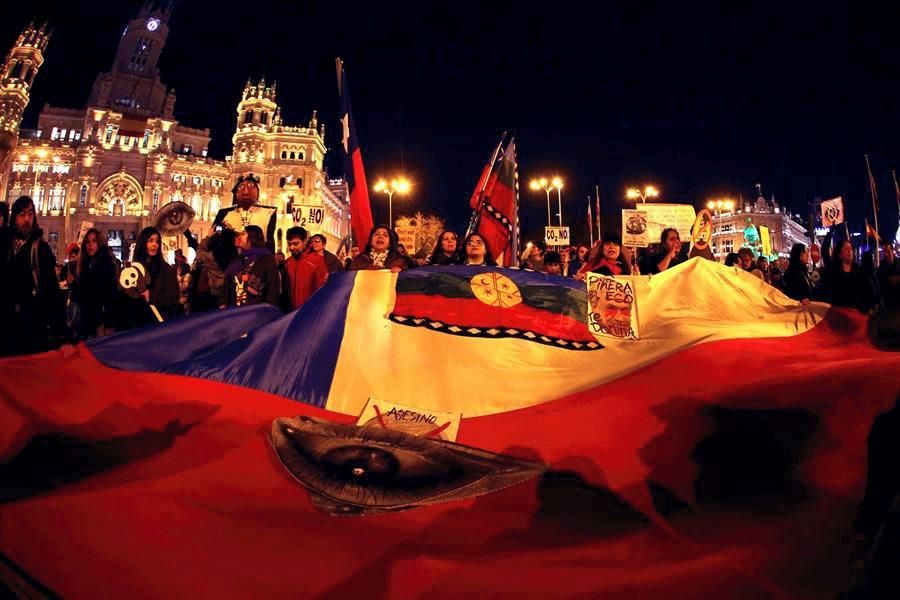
column 32, row 308
column 889, row 276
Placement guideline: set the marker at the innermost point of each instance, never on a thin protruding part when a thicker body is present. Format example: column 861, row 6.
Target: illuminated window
column 284, row 155
column 54, row 134
column 155, row 199
column 82, row 198
column 198, row 180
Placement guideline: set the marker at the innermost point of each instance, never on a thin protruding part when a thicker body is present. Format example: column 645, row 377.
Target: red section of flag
column 465, row 312
column 360, row 210
column 497, row 216
column 202, row 507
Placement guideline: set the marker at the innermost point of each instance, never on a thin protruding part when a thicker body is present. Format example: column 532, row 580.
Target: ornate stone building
column 114, row 163
column 728, row 227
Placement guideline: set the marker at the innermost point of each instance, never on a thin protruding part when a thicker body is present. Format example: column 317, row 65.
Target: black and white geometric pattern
column 495, row 333
column 498, row 215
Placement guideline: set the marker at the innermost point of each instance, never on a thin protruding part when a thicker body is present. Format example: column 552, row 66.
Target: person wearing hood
column 252, row 277
column 32, row 306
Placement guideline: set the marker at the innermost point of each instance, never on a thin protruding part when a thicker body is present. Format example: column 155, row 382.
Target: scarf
column 378, row 258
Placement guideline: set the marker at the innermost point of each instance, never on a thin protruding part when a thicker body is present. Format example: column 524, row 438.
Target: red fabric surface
column 472, row 312
column 214, row 514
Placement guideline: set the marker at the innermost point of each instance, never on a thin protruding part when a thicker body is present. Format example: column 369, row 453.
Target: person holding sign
column 608, row 260
column 670, row 254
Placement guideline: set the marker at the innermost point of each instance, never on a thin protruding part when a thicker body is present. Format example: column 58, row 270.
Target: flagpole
column 896, row 189
column 597, row 194
column 590, row 220
column 874, row 192
column 473, row 222
column 339, row 66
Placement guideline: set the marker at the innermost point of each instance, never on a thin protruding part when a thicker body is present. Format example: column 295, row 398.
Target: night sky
column 702, row 103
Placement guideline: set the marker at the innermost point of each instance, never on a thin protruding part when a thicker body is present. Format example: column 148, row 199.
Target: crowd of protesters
column 47, row 304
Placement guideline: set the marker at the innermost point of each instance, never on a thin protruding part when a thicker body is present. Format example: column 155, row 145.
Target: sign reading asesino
column 410, row 419
column 306, row 216
column 556, row 236
column 612, row 307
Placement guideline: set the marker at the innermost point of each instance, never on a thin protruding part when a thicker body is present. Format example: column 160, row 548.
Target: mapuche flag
column 354, row 172
column 495, row 203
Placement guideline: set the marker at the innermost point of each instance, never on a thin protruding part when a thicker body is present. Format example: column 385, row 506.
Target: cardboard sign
column 833, row 212
column 612, row 307
column 411, row 420
column 85, row 225
column 556, row 236
column 634, row 229
column 701, row 232
column 662, row 216
column 766, row 241
column 407, row 235
column 308, row 216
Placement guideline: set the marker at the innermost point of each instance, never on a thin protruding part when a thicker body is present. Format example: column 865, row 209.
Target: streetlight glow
column 557, row 183
column 549, row 185
column 635, row 193
column 400, row 185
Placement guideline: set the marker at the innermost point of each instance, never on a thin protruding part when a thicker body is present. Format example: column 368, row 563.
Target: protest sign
column 634, row 229
column 612, row 307
column 411, row 420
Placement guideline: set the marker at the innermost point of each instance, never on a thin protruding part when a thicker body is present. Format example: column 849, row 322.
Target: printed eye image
column 352, row 470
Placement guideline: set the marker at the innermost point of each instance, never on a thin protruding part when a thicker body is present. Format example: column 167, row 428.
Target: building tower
column 16, row 78
column 133, row 84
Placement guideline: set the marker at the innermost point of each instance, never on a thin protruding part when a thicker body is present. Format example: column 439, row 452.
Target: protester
column 305, row 270
column 477, row 251
column 183, row 273
column 446, row 251
column 842, row 282
column 889, row 276
column 532, row 257
column 70, row 269
column 762, row 265
column 872, row 291
column 797, row 284
column 380, row 252
column 577, row 260
column 94, row 290
column 670, row 251
column 404, row 253
column 747, row 262
column 252, row 277
column 732, row 259
column 552, row 263
column 605, row 258
column 162, row 284
column 32, row 309
column 214, row 255
column 317, row 244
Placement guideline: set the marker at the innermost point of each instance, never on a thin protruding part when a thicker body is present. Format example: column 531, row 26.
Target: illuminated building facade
column 114, row 163
column 728, row 227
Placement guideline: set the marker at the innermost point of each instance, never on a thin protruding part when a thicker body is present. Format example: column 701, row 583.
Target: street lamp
column 649, row 192
column 400, row 185
column 717, row 206
column 549, row 185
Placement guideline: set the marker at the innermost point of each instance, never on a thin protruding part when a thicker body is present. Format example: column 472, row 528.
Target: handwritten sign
column 662, row 216
column 407, row 235
column 415, row 421
column 556, row 236
column 308, row 216
column 612, row 307
column 634, row 229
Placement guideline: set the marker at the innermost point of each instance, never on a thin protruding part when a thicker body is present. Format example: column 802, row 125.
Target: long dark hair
column 4, row 213
column 797, row 251
column 154, row 263
column 392, row 236
column 102, row 256
column 438, row 255
column 255, row 236
column 488, row 257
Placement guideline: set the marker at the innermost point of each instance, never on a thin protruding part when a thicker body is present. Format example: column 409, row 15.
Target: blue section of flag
column 293, row 356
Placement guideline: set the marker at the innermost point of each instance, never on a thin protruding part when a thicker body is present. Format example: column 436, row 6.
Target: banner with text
column 766, row 239
column 612, row 307
column 662, row 216
column 409, row 419
column 556, row 236
column 309, row 217
column 634, row 229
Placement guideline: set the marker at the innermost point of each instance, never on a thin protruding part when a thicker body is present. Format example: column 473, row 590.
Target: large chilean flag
column 354, row 172
column 722, row 455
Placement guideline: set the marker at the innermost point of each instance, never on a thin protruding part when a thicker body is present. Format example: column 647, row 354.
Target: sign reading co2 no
column 304, row 216
column 556, row 236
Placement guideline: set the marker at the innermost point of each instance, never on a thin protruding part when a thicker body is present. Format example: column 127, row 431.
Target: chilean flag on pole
column 354, row 172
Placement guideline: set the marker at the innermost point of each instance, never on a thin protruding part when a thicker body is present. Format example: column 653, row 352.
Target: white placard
column 407, row 235
column 556, row 236
column 85, row 225
column 634, row 229
column 662, row 216
column 612, row 307
column 308, row 216
column 409, row 419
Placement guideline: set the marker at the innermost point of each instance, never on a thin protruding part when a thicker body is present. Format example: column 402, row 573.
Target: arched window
column 284, row 155
column 82, row 199
column 292, row 156
column 301, row 155
column 248, row 117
